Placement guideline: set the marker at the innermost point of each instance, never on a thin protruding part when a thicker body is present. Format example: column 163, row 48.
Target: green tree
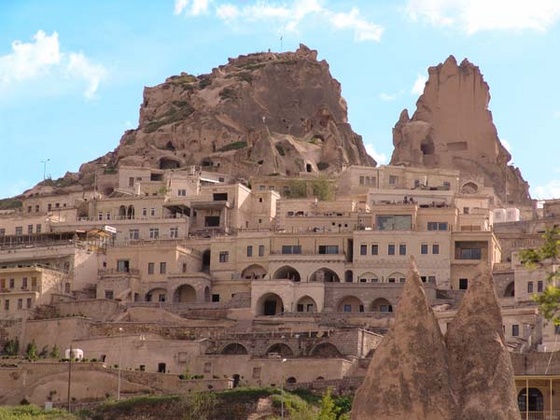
column 327, row 411
column 200, row 406
column 31, row 350
column 547, row 255
column 55, row 352
column 11, row 348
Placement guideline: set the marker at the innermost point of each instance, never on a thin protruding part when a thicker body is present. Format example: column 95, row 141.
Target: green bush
column 233, row 146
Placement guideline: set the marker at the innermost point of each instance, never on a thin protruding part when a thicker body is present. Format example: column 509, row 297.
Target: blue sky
column 72, row 73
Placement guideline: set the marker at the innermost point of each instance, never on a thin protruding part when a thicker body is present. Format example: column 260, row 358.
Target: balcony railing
column 540, row 415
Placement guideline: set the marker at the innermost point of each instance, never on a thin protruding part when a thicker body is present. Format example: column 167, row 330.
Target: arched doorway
column 324, row 275
column 206, row 294
column 280, row 348
column 535, row 400
column 368, row 277
column 287, row 272
column 510, row 290
column 270, row 304
column 122, row 212
column 396, row 277
column 381, row 305
column 350, row 304
column 469, row 188
column 254, row 272
column 158, row 294
column 130, row 212
column 206, row 261
column 306, row 304
column 234, row 348
column 184, row 293
column 325, row 350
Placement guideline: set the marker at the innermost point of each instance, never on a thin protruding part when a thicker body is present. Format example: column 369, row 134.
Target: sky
column 72, row 73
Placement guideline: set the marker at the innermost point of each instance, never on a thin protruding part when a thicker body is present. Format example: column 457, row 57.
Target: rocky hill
column 452, row 128
column 263, row 113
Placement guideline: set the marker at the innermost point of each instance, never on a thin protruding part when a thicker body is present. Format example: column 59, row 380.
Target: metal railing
column 540, row 415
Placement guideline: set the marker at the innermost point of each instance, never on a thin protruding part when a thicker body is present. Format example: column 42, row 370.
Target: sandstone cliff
column 264, row 113
column 452, row 128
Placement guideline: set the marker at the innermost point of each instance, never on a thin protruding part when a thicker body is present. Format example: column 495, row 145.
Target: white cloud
column 43, row 59
column 472, row 16
column 418, row 87
column 547, row 191
column 291, row 17
column 197, row 7
column 380, row 158
column 387, row 97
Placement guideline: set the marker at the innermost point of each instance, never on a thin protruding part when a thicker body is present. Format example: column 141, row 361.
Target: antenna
column 44, row 162
column 281, row 37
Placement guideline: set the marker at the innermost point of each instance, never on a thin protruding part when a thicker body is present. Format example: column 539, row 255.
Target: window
column 144, row 212
column 463, row 284
column 162, row 267
column 30, row 229
column 375, row 249
column 249, row 251
column 174, row 232
column 215, row 298
column 394, row 222
column 469, row 253
column 466, row 210
column 37, row 208
column 261, row 250
column 391, row 249
column 361, row 180
column 435, row 249
column 24, row 283
column 154, row 233
column 347, row 308
column 224, row 256
column 100, row 216
column 49, row 207
column 109, row 294
column 184, row 268
column 328, row 249
column 28, row 303
column 7, row 304
column 437, row 225
column 446, row 185
column 432, row 279
column 38, row 228
column 19, row 230
column 12, row 283
column 182, row 193
column 291, row 249
column 424, row 249
column 402, row 249
column 133, row 234
column 515, row 330
column 20, row 303
column 529, row 287
column 131, row 181
column 363, row 249
column 151, row 268
column 2, row 232
column 391, row 280
column 29, row 209
column 152, row 211
column 33, row 283
column 393, row 179
column 123, row 266
column 540, row 286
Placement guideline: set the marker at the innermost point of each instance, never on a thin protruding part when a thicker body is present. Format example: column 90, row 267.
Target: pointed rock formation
column 407, row 377
column 479, row 363
column 452, row 128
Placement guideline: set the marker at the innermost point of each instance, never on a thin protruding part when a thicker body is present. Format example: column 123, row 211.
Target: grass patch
column 228, row 93
column 10, row 204
column 177, row 113
column 25, row 412
column 233, row 146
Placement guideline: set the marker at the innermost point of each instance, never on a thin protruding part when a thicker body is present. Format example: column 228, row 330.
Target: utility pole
column 69, row 376
column 44, row 162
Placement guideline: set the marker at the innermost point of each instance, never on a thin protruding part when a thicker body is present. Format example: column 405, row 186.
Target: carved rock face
column 264, row 113
column 452, row 128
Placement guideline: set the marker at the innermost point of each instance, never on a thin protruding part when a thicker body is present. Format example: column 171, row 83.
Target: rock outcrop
column 452, row 128
column 479, row 363
column 408, row 374
column 417, row 374
column 264, row 113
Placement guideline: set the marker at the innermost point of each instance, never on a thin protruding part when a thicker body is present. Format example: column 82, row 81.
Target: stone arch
column 535, row 400
column 234, row 348
column 350, row 303
column 169, row 146
column 282, row 349
column 130, row 213
column 368, row 277
column 254, row 271
column 158, row 294
column 324, row 275
column 306, row 304
column 206, row 294
column 325, row 350
column 469, row 188
column 381, row 305
column 510, row 290
column 291, row 380
column 122, row 212
column 320, row 378
column 270, row 304
column 184, row 293
column 287, row 272
column 396, row 277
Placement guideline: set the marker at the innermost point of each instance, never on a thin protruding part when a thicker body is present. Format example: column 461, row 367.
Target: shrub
column 233, row 146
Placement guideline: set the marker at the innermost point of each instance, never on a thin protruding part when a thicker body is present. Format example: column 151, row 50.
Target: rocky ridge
column 452, row 128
